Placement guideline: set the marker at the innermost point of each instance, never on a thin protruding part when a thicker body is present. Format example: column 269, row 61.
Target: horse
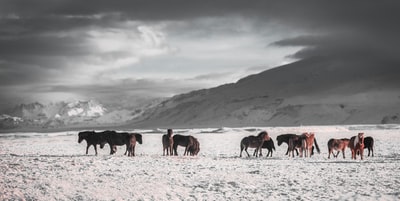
column 182, row 140
column 356, row 145
column 296, row 141
column 194, row 150
column 337, row 145
column 269, row 145
column 369, row 143
column 308, row 139
column 92, row 138
column 115, row 138
column 168, row 142
column 133, row 138
column 254, row 142
column 285, row 138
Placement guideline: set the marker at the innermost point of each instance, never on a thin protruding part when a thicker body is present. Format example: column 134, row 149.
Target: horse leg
column 369, row 149
column 329, row 153
column 372, row 150
column 87, row 148
column 343, row 153
column 241, row 149
column 335, row 155
column 362, row 153
column 245, row 149
column 297, row 152
column 95, row 149
column 127, row 147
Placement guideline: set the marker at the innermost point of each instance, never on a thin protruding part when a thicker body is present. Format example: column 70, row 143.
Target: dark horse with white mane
column 356, row 145
column 254, row 142
column 92, row 138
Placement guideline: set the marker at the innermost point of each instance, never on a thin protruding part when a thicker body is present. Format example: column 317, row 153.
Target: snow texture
column 53, row 166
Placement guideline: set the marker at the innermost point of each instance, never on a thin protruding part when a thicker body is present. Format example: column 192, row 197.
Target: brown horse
column 254, row 142
column 168, row 142
column 308, row 139
column 356, row 145
column 337, row 145
column 133, row 138
column 295, row 142
column 195, row 148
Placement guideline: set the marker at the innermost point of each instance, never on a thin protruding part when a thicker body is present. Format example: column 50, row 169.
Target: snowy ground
column 53, row 166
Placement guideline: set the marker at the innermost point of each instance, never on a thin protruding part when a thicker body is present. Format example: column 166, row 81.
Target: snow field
column 54, row 166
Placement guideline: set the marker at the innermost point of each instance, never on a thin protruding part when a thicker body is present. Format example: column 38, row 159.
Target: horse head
column 279, row 139
column 83, row 135
column 264, row 135
column 361, row 138
column 139, row 138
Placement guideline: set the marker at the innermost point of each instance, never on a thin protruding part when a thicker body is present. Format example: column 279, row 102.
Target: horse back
column 368, row 142
column 181, row 140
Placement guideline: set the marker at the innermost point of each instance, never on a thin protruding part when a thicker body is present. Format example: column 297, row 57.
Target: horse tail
column 316, row 145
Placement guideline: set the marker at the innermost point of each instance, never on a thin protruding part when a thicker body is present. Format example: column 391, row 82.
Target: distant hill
column 313, row 91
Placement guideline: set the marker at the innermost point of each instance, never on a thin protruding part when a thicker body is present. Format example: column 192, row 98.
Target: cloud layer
column 60, row 50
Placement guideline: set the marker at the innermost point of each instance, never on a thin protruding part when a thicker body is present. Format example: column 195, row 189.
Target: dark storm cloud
column 38, row 37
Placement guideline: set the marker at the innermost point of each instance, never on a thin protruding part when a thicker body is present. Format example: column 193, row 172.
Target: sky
column 124, row 51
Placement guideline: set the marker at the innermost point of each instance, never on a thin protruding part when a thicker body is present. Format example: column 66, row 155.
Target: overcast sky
column 53, row 50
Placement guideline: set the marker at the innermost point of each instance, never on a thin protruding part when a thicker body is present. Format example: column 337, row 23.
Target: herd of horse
column 303, row 144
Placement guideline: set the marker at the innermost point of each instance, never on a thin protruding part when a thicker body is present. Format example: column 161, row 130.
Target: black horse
column 115, row 139
column 268, row 145
column 369, row 143
column 92, row 138
column 186, row 141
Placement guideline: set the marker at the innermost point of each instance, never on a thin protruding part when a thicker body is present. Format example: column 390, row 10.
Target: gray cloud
column 105, row 49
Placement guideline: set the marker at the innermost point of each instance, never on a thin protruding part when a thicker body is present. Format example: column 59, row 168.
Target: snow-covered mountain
column 312, row 91
column 67, row 114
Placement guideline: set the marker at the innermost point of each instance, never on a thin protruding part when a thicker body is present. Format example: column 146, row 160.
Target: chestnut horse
column 356, row 145
column 194, row 150
column 133, row 138
column 254, row 142
column 337, row 145
column 308, row 139
column 168, row 142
